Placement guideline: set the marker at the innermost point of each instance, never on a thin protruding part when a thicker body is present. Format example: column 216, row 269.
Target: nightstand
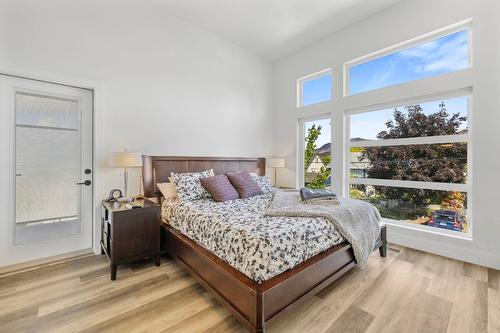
column 130, row 234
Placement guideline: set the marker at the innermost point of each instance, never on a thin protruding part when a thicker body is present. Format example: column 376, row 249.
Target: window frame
column 408, row 44
column 311, row 77
column 466, row 138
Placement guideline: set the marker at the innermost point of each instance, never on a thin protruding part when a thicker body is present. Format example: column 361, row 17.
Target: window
column 438, row 56
column 315, row 88
column 317, row 153
column 412, row 162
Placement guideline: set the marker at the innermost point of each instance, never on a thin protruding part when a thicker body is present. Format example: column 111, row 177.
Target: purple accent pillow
column 244, row 183
column 220, row 188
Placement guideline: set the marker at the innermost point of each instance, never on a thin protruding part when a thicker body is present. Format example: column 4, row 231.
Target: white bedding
column 238, row 232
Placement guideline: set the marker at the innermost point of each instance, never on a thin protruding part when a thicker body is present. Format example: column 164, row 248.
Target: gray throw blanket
column 356, row 220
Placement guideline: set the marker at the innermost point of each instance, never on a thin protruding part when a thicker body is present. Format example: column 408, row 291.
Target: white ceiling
column 273, row 28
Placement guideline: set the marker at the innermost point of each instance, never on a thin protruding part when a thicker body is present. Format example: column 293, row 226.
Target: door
column 50, row 136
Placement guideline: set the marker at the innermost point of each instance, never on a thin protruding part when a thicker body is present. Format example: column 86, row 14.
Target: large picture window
column 411, row 162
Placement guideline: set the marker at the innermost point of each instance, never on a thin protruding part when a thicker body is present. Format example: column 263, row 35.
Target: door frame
column 98, row 155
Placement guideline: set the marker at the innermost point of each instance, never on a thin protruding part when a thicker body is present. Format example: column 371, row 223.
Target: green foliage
column 319, row 180
column 400, row 213
column 312, row 135
column 309, row 154
column 356, row 194
column 326, row 159
column 429, row 163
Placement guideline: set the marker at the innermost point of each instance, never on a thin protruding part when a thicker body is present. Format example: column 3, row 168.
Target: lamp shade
column 125, row 159
column 276, row 162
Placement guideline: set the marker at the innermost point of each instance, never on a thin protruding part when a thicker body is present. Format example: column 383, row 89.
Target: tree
column 313, row 134
column 429, row 163
column 320, row 179
column 309, row 153
column 326, row 158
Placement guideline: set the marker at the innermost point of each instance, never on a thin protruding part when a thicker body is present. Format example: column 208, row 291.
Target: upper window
column 315, row 88
column 438, row 56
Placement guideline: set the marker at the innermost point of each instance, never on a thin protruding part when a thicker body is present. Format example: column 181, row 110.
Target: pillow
column 264, row 183
column 168, row 190
column 244, row 184
column 220, row 188
column 188, row 185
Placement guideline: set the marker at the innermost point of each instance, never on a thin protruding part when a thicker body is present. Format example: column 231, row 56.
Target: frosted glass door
column 48, row 167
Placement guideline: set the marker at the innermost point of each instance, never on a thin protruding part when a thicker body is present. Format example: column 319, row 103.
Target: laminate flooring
column 408, row 291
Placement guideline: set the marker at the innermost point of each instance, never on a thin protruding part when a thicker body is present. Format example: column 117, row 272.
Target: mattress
column 239, row 233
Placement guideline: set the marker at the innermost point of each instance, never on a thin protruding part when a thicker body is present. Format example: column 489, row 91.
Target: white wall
column 166, row 87
column 406, row 20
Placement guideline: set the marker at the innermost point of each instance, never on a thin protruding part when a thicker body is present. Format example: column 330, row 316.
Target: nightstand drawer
column 105, row 228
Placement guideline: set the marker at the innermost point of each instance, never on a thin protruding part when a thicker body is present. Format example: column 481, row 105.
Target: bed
column 253, row 296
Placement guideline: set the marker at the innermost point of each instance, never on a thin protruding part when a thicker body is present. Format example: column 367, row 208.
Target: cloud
column 445, row 54
column 451, row 62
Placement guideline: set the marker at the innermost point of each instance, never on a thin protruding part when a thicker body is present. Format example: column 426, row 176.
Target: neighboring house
column 313, row 169
column 315, row 165
column 358, row 166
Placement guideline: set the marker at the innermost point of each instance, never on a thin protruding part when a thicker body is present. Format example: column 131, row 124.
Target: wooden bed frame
column 251, row 303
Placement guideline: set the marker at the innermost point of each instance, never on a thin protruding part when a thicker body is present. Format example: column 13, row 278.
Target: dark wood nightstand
column 130, row 234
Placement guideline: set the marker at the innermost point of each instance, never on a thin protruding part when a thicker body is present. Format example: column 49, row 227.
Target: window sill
column 430, row 230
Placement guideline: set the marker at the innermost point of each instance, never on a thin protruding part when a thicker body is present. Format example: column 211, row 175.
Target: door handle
column 87, row 183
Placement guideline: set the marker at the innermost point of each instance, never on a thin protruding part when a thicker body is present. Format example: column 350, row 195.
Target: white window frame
column 466, row 138
column 451, row 29
column 311, row 77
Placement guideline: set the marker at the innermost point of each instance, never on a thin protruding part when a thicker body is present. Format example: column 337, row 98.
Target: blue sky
column 445, row 54
column 367, row 125
column 326, row 130
column 317, row 90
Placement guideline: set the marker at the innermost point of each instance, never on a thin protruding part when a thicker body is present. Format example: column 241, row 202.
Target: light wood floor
column 409, row 291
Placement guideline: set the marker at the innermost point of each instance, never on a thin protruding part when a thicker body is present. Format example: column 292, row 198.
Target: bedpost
column 383, row 237
column 257, row 317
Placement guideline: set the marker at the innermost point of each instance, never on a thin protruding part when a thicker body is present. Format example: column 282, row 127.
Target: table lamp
column 276, row 163
column 125, row 160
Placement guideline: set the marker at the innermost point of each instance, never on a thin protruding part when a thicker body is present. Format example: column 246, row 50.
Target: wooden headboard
column 157, row 169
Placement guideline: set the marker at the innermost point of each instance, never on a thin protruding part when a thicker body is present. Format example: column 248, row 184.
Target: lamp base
column 125, row 199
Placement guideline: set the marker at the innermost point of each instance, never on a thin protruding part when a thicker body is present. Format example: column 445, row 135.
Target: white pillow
column 168, row 190
column 188, row 185
column 264, row 182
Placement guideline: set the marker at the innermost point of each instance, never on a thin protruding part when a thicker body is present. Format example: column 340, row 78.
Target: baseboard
column 396, row 236
column 34, row 264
